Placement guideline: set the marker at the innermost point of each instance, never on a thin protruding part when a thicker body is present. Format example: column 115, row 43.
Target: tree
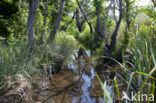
column 128, row 7
column 85, row 18
column 102, row 14
column 56, row 26
column 101, row 23
column 112, row 45
column 44, row 24
column 30, row 27
column 79, row 22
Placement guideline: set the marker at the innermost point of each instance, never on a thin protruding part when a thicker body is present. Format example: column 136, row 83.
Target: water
column 78, row 84
column 87, row 85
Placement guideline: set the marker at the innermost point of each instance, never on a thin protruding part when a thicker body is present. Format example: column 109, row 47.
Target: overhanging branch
column 91, row 29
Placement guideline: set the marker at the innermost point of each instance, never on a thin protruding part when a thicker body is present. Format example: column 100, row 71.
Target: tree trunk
column 30, row 27
column 106, row 36
column 56, row 26
column 78, row 22
column 44, row 24
column 99, row 24
column 112, row 45
column 127, row 14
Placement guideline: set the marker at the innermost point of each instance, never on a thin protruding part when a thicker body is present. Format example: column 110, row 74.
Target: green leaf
column 2, row 38
column 117, row 87
column 145, row 74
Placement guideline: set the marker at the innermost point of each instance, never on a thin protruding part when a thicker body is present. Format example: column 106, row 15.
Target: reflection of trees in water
column 70, row 87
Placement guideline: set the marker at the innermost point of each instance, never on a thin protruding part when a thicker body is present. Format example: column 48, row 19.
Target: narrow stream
column 78, row 84
column 87, row 78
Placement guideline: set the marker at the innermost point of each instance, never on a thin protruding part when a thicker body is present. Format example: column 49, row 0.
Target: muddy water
column 77, row 84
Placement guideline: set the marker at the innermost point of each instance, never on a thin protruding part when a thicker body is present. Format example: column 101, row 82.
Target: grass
column 64, row 44
column 106, row 95
column 140, row 72
column 16, row 58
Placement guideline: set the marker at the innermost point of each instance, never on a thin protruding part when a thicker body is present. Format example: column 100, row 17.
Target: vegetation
column 41, row 38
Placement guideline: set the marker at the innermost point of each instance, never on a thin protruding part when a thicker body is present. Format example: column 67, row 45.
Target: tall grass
column 143, row 66
column 64, row 44
column 16, row 58
column 140, row 71
column 143, row 55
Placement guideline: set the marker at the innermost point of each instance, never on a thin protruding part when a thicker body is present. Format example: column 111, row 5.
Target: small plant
column 64, row 45
column 106, row 95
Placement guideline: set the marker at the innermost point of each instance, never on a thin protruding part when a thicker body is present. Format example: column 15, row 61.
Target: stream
column 77, row 84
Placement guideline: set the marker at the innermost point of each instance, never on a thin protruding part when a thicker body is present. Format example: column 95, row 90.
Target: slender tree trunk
column 44, row 24
column 114, row 3
column 113, row 38
column 106, row 36
column 78, row 22
column 30, row 27
column 99, row 20
column 112, row 45
column 127, row 14
column 56, row 26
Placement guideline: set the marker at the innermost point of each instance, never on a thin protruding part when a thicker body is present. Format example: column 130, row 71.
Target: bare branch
column 91, row 30
column 65, row 27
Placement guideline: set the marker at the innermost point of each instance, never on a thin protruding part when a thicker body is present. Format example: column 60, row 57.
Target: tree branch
column 64, row 28
column 91, row 29
column 56, row 26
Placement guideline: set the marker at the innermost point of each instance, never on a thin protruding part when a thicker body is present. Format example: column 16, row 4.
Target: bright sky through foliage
column 143, row 2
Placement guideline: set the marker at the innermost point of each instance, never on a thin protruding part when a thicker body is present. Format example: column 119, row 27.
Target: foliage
column 135, row 48
column 106, row 94
column 142, row 19
column 64, row 44
column 143, row 60
column 139, row 65
column 7, row 16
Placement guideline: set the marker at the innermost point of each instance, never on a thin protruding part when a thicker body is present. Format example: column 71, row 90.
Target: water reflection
column 82, row 86
column 85, row 97
column 85, row 90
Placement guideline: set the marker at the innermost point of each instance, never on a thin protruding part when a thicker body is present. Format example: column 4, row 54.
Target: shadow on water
column 78, row 84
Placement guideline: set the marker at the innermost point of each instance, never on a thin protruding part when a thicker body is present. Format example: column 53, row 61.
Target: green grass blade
column 117, row 87
column 130, row 81
column 143, row 84
column 145, row 74
column 105, row 91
